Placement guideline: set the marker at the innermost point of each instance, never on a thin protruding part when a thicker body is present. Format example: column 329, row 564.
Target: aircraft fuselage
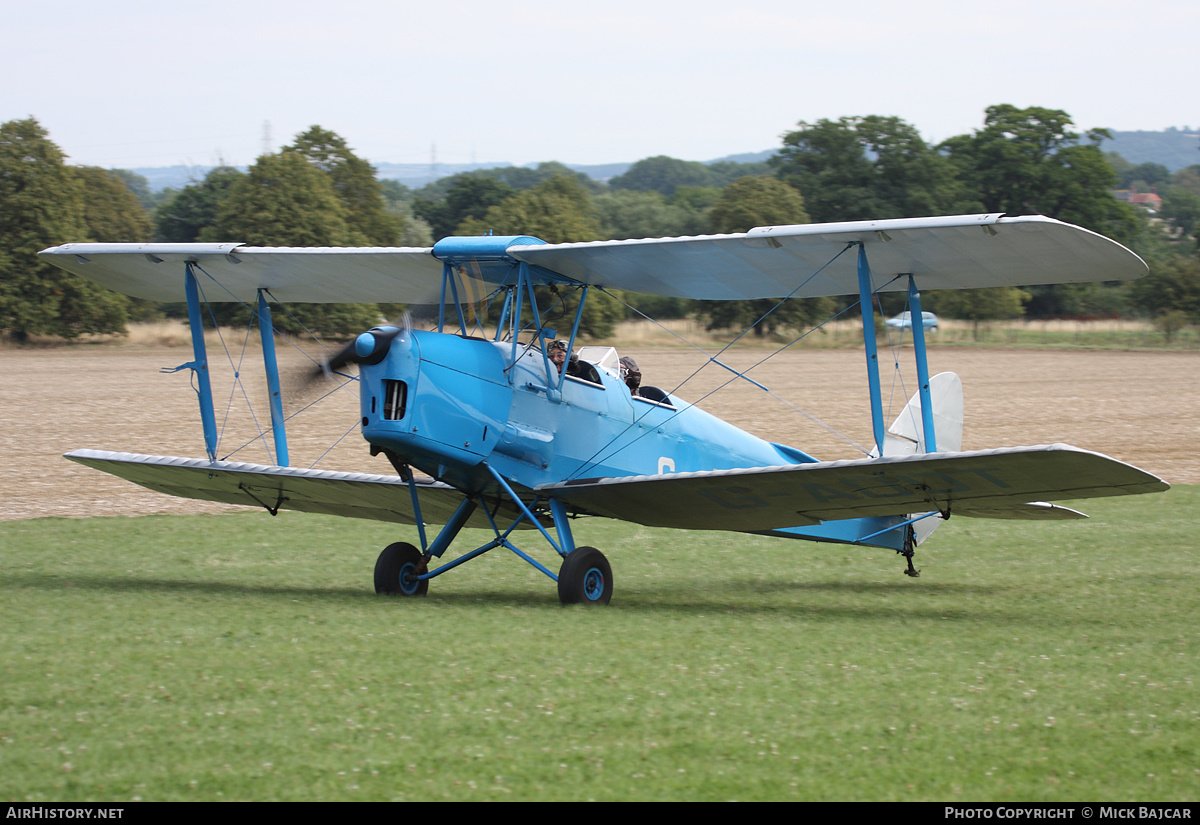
column 446, row 404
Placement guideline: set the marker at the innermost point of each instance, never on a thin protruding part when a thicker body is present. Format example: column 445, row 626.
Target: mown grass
column 245, row 657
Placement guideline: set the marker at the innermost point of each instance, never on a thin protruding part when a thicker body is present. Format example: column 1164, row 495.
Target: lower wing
column 359, row 495
column 1013, row 482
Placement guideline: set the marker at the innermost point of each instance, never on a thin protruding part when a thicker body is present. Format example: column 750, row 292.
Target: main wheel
column 585, row 577
column 396, row 571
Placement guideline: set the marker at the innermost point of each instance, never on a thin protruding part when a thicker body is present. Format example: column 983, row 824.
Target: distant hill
column 1173, row 148
column 416, row 175
column 173, row 177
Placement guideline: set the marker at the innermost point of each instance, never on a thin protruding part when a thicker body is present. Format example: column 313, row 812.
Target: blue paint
column 566, row 541
column 452, row 527
column 878, row 531
column 867, row 303
column 914, row 300
column 278, row 427
column 468, row 404
column 208, row 418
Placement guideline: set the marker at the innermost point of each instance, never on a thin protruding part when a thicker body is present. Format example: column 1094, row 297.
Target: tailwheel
column 910, row 547
column 585, row 577
column 397, row 569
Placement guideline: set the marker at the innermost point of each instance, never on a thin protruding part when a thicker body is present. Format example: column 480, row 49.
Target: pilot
column 558, row 353
column 558, row 357
column 631, row 374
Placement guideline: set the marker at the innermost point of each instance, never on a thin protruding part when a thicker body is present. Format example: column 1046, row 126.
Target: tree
column 355, row 185
column 416, row 232
column 1172, row 286
column 468, row 197
column 186, row 214
column 662, row 174
column 1182, row 208
column 978, row 305
column 743, row 205
column 113, row 213
column 696, row 202
column 1143, row 176
column 559, row 210
column 140, row 187
column 864, row 168
column 757, row 201
column 523, row 177
column 627, row 213
column 285, row 200
column 724, row 172
column 42, row 205
column 1028, row 161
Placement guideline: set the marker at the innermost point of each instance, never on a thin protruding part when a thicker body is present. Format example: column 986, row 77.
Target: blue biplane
column 507, row 440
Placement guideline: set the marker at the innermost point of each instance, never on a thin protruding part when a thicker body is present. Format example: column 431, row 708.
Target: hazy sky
column 128, row 83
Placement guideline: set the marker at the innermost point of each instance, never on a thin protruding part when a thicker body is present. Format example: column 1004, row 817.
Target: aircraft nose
column 371, row 347
column 364, row 345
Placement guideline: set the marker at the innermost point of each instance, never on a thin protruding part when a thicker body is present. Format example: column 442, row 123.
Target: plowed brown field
column 1140, row 407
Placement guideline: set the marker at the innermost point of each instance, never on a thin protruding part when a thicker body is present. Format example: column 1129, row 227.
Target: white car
column 904, row 321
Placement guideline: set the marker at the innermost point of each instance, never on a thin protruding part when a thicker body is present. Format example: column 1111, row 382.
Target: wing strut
column 199, row 365
column 267, row 330
column 867, row 303
column 918, row 328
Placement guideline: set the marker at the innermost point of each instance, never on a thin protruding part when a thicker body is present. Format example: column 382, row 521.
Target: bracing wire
column 592, row 460
column 239, row 384
column 237, row 378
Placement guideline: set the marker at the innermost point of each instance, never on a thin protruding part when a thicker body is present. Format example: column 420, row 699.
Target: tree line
column 317, row 192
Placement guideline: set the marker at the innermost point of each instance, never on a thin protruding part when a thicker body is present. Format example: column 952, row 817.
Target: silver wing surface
column 956, row 252
column 359, row 495
column 1012, row 482
column 808, row 260
column 234, row 272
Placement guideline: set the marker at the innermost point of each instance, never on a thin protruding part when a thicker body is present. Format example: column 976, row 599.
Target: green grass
column 245, row 657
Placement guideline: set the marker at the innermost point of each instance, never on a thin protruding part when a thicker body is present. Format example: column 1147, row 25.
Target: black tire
column 396, row 570
column 585, row 578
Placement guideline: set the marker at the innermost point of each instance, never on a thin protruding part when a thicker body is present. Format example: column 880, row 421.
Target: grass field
column 238, row 656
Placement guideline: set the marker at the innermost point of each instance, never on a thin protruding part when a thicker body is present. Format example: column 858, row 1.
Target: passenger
column 631, row 374
column 573, row 367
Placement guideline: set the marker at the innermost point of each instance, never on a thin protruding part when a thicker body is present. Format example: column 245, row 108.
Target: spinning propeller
column 369, row 348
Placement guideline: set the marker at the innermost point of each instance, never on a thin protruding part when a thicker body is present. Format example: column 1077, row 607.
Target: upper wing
column 958, row 252
column 360, row 495
column 988, row 483
column 235, row 272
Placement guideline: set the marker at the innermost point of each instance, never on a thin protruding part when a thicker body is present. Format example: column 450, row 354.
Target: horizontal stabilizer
column 989, row 483
column 359, row 495
column 1030, row 511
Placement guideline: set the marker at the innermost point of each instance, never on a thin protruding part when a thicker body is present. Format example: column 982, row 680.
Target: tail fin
column 906, row 436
